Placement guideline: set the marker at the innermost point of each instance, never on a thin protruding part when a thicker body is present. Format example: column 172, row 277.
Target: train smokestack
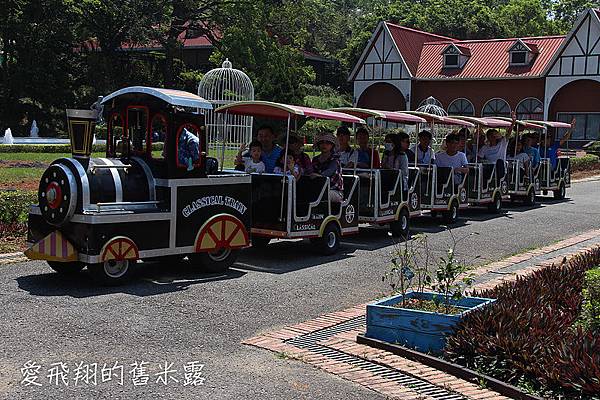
column 81, row 124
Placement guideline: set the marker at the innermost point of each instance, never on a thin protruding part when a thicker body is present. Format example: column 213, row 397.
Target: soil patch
column 428, row 305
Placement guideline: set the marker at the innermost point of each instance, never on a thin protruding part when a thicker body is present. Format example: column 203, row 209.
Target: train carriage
column 439, row 191
column 555, row 179
column 523, row 178
column 136, row 203
column 284, row 207
column 487, row 184
column 384, row 199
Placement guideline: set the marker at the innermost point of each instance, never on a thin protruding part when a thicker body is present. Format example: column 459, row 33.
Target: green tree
column 276, row 68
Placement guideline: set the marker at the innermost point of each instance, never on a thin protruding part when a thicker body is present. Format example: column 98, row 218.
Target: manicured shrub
column 14, row 205
column 590, row 315
column 585, row 163
column 530, row 336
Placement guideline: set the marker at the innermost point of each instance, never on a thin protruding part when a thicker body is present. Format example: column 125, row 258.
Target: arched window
column 496, row 108
column 530, row 108
column 461, row 107
column 159, row 132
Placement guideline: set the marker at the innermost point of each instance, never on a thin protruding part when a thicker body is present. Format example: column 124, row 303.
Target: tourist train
column 146, row 202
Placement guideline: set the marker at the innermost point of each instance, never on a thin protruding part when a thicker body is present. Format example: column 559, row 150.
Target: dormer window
column 451, row 60
column 455, row 56
column 518, row 58
column 522, row 53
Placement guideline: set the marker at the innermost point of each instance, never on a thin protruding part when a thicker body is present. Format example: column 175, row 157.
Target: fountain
column 33, row 132
column 8, row 137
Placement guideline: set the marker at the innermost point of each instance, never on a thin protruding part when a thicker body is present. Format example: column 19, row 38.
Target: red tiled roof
column 198, row 41
column 410, row 43
column 489, row 59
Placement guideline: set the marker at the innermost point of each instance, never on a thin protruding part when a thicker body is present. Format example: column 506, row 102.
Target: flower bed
column 535, row 336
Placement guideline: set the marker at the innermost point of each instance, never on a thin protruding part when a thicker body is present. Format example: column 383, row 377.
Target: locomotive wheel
column 496, row 205
column 561, row 192
column 329, row 243
column 215, row 261
column 112, row 272
column 400, row 227
column 66, row 268
column 57, row 194
column 260, row 242
column 451, row 216
column 530, row 199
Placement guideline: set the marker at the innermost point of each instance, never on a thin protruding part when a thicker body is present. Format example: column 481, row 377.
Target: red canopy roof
column 486, row 122
column 488, row 59
column 551, row 124
column 269, row 109
column 392, row 116
column 440, row 119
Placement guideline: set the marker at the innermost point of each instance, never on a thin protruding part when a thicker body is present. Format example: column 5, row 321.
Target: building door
column 382, row 96
column 580, row 100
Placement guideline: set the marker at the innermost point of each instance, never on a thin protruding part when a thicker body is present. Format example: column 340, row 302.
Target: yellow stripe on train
column 53, row 247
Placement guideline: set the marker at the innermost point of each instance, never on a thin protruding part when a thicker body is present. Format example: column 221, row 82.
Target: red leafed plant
column 531, row 336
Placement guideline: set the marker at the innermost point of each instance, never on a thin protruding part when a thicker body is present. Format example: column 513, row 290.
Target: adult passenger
column 394, row 156
column 302, row 160
column 270, row 150
column 364, row 151
column 549, row 146
column 348, row 155
column 532, row 151
column 422, row 150
column 453, row 158
column 328, row 164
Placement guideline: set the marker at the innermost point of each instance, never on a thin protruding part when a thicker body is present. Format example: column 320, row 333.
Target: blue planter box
column 424, row 331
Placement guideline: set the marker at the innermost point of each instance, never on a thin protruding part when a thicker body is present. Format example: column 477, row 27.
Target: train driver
column 188, row 150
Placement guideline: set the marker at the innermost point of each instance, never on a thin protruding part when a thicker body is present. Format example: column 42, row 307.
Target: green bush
column 14, row 205
column 585, row 163
column 55, row 148
column 531, row 336
column 590, row 314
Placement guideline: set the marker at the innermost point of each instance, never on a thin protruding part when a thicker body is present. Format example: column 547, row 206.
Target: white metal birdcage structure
column 222, row 86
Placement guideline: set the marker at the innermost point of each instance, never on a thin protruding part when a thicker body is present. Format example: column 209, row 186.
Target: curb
column 10, row 258
column 284, row 341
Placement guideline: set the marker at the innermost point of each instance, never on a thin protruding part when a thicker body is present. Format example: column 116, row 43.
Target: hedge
column 14, row 205
column 585, row 163
column 55, row 148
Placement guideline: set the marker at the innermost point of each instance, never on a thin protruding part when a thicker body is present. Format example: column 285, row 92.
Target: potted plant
column 413, row 316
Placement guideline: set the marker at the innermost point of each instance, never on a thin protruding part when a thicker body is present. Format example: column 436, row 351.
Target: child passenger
column 292, row 168
column 251, row 163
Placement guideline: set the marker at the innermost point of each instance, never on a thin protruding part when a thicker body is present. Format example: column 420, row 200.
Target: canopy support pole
column 283, row 180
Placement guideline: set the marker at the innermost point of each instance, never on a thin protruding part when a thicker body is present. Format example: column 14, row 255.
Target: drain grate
column 310, row 342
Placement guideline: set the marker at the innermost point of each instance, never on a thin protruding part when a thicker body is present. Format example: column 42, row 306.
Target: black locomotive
column 139, row 203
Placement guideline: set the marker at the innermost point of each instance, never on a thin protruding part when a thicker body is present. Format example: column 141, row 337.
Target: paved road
column 176, row 315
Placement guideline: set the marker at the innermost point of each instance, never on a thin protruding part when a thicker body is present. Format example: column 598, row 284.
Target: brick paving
column 344, row 342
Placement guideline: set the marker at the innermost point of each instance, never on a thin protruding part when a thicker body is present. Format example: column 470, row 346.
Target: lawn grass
column 16, row 175
column 11, row 175
column 39, row 157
